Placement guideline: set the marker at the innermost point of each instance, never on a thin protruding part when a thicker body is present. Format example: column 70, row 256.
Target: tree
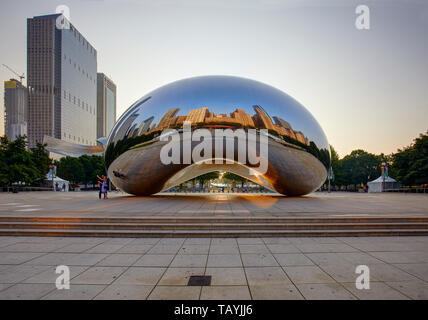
column 360, row 166
column 17, row 163
column 41, row 160
column 410, row 165
column 336, row 164
column 207, row 177
column 71, row 169
column 234, row 177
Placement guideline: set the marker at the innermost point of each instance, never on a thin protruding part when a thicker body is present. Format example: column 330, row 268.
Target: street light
column 383, row 176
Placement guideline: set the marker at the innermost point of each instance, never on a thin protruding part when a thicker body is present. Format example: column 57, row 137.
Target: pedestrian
column 104, row 188
column 100, row 183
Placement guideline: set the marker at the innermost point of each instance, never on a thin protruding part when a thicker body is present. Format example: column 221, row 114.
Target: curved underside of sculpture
column 288, row 140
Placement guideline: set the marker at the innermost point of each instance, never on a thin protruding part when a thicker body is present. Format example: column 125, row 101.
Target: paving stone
column 377, row 291
column 180, row 276
column 119, row 260
column 276, row 240
column 225, row 293
column 76, row 247
column 259, row 260
column 386, row 272
column 266, row 276
column 105, row 248
column 293, row 259
column 140, row 276
column 253, row 248
column 307, row 274
column 250, row 241
column 224, row 249
column 326, row 259
column 275, row 292
column 358, row 258
column 98, row 275
column 419, row 270
column 18, row 257
column 224, row 241
column 26, row 291
column 136, row 249
column 224, row 260
column 189, row 261
column 175, row 293
column 417, row 290
column 143, row 241
column 76, row 292
column 164, row 249
column 325, row 291
column 19, row 273
column 50, row 276
column 194, row 249
column 283, row 248
column 226, row 276
column 154, row 260
column 125, row 292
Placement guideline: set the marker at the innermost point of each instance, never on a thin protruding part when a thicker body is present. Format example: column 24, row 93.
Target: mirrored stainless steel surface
column 298, row 150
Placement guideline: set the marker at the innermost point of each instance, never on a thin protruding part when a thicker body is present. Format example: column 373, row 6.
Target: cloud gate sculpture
column 217, row 123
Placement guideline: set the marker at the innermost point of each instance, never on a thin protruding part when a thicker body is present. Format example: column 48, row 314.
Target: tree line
column 19, row 165
column 409, row 165
column 23, row 166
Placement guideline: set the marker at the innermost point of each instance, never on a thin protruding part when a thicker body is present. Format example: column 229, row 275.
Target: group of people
column 103, row 184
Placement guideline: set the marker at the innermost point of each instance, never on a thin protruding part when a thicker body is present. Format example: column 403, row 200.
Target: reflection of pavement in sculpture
column 298, row 151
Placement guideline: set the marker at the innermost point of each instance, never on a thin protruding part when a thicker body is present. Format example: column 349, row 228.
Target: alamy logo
column 363, row 280
column 363, row 19
column 245, row 150
column 63, row 280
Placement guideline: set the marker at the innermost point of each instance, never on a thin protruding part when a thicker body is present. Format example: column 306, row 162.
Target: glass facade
column 111, row 110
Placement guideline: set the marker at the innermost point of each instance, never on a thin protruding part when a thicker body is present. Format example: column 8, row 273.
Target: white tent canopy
column 59, row 181
column 377, row 185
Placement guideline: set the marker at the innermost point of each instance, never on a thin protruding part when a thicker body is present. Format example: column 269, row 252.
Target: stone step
column 213, row 233
column 234, row 220
column 212, row 226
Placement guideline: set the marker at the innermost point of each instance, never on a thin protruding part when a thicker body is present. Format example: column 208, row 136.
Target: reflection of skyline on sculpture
column 296, row 150
column 204, row 118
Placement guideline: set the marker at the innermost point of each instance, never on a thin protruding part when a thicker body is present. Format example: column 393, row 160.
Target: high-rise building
column 166, row 119
column 243, row 118
column 106, row 105
column 197, row 115
column 15, row 109
column 62, row 82
column 262, row 119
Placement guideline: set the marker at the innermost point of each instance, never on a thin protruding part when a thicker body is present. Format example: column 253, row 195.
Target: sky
column 368, row 89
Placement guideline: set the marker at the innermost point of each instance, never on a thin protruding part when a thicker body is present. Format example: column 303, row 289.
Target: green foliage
column 207, row 177
column 360, row 167
column 81, row 170
column 410, row 165
column 18, row 165
column 234, row 177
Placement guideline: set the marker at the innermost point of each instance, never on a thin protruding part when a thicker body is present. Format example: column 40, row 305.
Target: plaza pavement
column 318, row 204
column 242, row 268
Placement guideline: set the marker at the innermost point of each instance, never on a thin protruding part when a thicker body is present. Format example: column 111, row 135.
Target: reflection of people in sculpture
column 119, row 175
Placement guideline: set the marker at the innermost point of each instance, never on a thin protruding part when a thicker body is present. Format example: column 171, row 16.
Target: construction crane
column 20, row 77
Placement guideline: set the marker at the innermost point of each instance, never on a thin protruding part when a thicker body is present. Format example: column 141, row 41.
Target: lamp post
column 383, row 176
